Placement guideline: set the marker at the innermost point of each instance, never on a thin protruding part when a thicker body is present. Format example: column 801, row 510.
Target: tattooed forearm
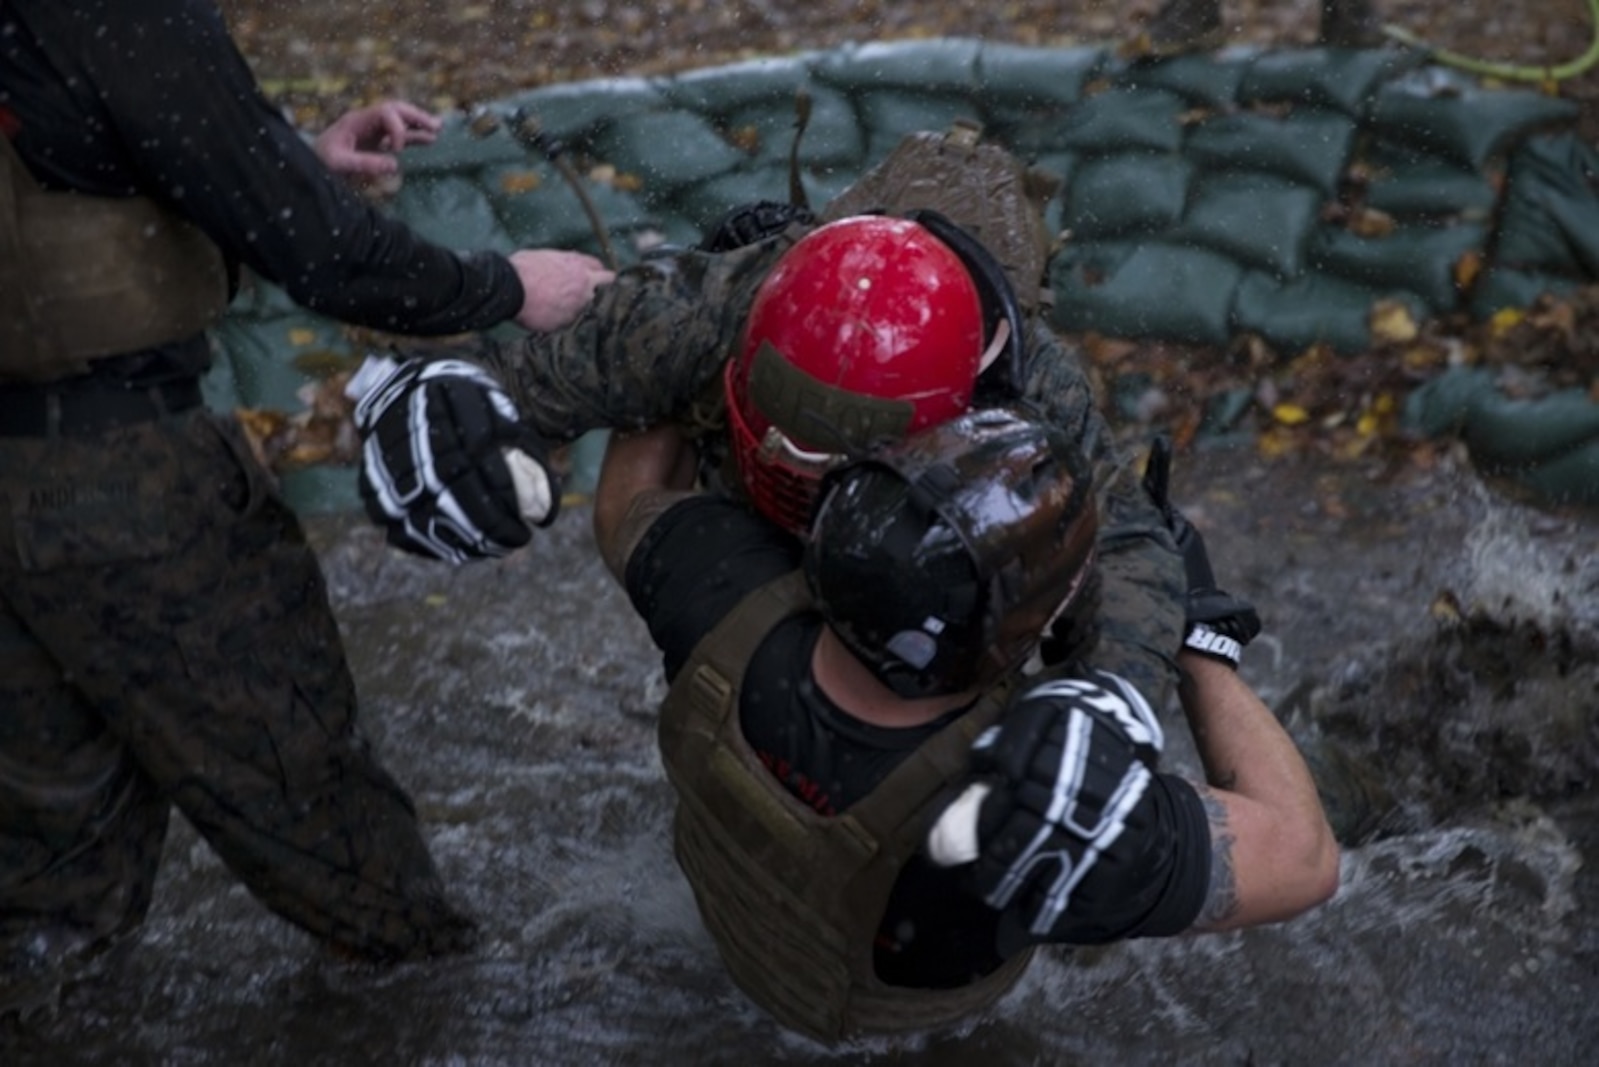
column 1221, row 897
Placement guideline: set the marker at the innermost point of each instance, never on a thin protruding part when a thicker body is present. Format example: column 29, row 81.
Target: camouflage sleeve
column 1141, row 572
column 652, row 343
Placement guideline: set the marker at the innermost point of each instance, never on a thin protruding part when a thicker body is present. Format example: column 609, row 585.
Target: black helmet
column 940, row 559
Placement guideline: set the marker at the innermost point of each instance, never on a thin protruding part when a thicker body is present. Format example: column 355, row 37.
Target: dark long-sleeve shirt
column 152, row 98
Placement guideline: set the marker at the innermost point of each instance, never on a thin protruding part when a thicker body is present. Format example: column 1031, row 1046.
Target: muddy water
column 1440, row 637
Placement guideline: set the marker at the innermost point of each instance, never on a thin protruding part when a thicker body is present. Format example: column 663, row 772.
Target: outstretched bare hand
column 361, row 144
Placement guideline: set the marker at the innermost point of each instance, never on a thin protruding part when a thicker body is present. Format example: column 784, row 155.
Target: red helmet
column 868, row 328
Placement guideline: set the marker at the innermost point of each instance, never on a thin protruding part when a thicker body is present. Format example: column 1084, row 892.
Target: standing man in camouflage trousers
column 165, row 635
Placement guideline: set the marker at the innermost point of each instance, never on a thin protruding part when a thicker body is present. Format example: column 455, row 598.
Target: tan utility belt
column 84, row 277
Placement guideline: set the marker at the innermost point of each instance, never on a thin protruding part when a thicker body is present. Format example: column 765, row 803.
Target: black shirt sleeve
column 695, row 563
column 152, row 97
column 1151, row 882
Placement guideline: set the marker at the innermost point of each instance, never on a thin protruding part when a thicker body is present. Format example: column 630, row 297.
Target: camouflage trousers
column 166, row 639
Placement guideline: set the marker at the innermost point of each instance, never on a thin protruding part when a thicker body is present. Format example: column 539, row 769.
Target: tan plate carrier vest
column 84, row 277
column 793, row 898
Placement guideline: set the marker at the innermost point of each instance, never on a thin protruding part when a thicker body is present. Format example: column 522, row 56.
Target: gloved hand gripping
column 447, row 468
column 1054, row 785
column 1216, row 623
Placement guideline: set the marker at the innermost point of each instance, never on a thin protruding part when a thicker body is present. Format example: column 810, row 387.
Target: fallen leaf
column 1391, row 322
column 1506, row 319
column 1445, row 607
column 1560, row 318
column 260, row 427
column 1369, row 222
column 522, row 181
column 1276, row 442
column 745, row 138
column 1108, row 351
column 1420, row 358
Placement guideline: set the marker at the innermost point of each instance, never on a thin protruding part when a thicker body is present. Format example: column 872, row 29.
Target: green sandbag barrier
column 705, row 204
column 1502, row 288
column 1130, row 193
column 1064, row 165
column 638, row 144
column 457, row 150
column 943, row 65
column 219, row 387
column 1281, row 215
column 1025, row 93
column 1550, row 445
column 538, row 209
column 889, row 115
column 1144, row 289
column 1426, row 190
column 1023, row 77
column 1194, row 197
column 1448, row 114
column 1443, row 405
column 719, row 91
column 1344, row 80
column 1569, row 478
column 322, row 490
column 833, row 137
column 451, row 211
column 1201, row 80
column 1310, row 149
column 262, row 356
column 1420, row 260
column 584, row 457
column 1503, row 432
column 1314, row 309
column 572, row 112
column 1550, row 218
column 258, row 299
column 1125, row 120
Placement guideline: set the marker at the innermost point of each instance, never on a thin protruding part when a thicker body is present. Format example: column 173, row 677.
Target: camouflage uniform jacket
column 651, row 349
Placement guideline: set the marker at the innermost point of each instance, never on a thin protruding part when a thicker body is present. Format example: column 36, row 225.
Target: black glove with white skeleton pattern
column 1053, row 785
column 447, row 468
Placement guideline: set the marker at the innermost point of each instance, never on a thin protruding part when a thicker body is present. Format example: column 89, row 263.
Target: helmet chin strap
column 777, row 443
column 1000, row 306
column 996, row 345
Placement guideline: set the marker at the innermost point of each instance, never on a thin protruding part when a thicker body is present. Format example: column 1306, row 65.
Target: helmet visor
column 804, row 408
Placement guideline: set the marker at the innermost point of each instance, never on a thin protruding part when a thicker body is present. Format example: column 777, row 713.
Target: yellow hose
column 1507, row 71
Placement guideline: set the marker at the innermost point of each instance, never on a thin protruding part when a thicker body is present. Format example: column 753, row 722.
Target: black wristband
column 1213, row 643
